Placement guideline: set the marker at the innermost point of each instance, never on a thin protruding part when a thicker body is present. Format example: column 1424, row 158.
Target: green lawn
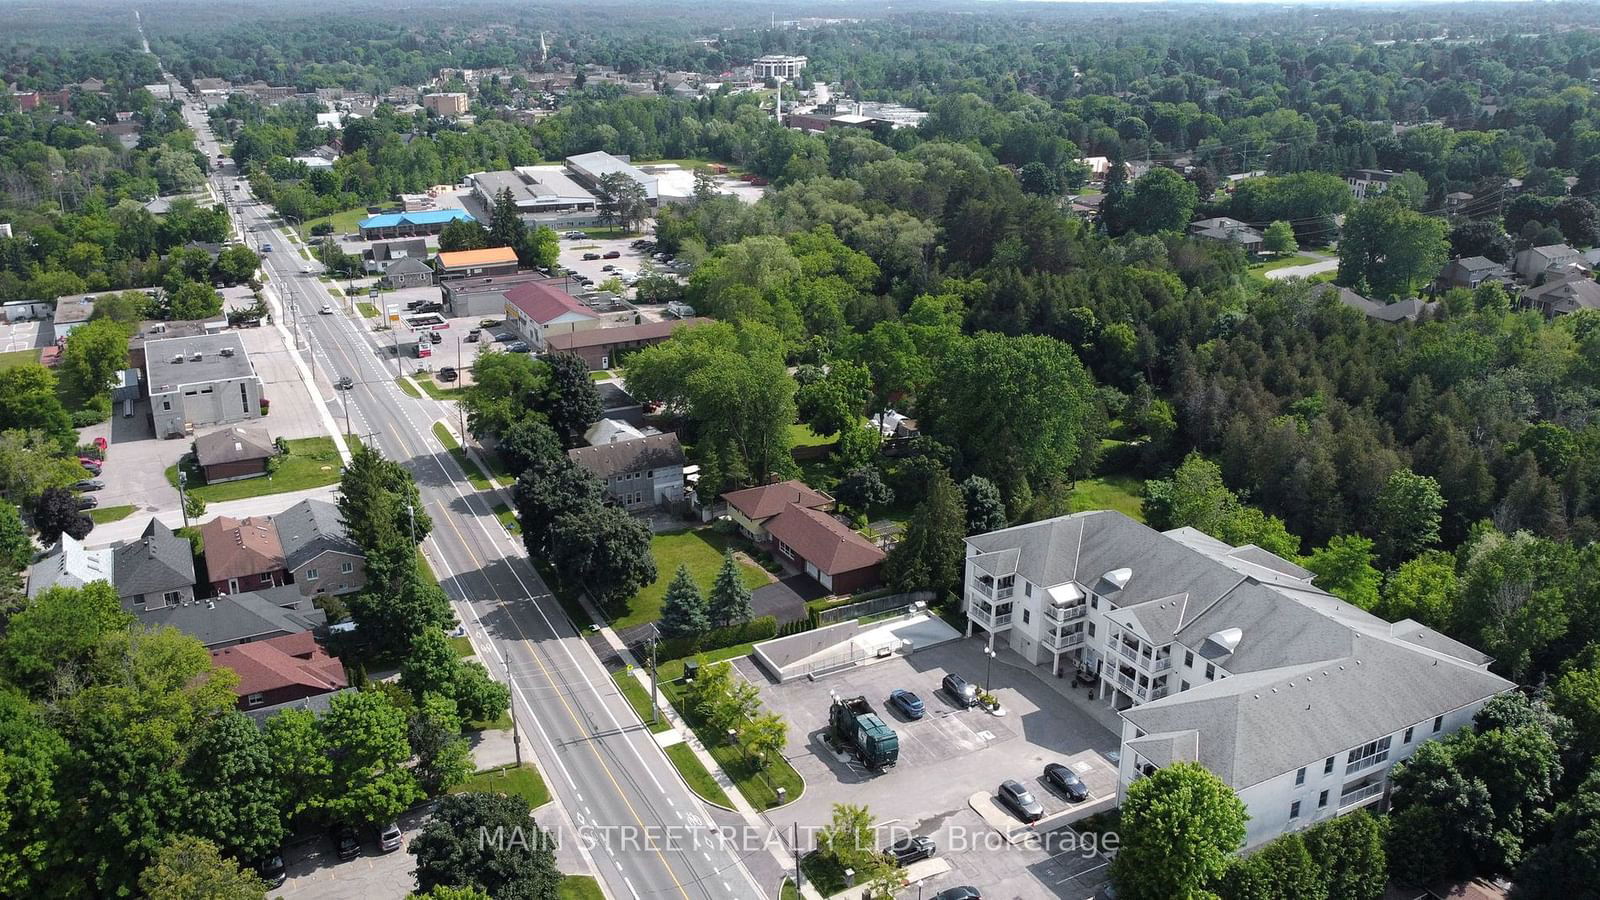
column 407, row 388
column 601, row 375
column 638, row 697
column 110, row 514
column 343, row 222
column 508, row 518
column 696, row 774
column 579, row 887
column 474, row 474
column 823, row 872
column 801, row 435
column 1284, row 262
column 503, row 723
column 757, row 784
column 310, row 462
column 789, row 891
column 524, row 782
column 14, row 358
column 462, row 646
column 701, row 550
column 1118, row 492
column 433, row 388
column 367, row 309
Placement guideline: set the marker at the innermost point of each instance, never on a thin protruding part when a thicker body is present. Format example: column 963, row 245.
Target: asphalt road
column 651, row 836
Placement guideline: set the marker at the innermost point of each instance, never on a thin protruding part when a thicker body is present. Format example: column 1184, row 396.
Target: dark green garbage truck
column 856, row 726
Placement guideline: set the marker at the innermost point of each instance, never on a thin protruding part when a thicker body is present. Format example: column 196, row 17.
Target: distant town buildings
column 773, row 66
column 449, row 105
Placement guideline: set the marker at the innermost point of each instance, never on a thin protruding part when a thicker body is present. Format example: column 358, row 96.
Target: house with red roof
column 281, row 670
column 752, row 508
column 537, row 309
column 794, row 520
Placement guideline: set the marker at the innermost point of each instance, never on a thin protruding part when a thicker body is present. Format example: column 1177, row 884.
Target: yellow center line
column 467, row 546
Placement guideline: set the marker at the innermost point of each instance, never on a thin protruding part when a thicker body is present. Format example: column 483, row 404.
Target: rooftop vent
column 1119, row 577
column 226, row 351
column 1228, row 638
column 196, row 356
column 177, row 359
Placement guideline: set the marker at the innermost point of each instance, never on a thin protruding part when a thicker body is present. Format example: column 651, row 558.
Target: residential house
column 155, row 571
column 1563, row 294
column 1409, row 310
column 68, row 564
column 638, row 473
column 1470, row 272
column 752, row 508
column 243, row 554
column 826, row 549
column 1457, row 202
column 604, row 348
column 459, row 264
column 242, row 618
column 1536, row 263
column 201, row 380
column 234, row 453
column 281, row 670
column 1366, row 183
column 378, row 257
column 1229, row 231
column 408, row 272
column 895, row 426
column 1228, row 656
column 611, row 431
column 70, row 313
column 536, row 309
column 317, row 551
column 410, row 224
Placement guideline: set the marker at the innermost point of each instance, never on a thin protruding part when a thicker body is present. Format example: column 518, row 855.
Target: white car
column 327, row 309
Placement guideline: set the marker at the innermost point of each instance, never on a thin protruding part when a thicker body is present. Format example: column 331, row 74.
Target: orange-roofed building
column 458, row 264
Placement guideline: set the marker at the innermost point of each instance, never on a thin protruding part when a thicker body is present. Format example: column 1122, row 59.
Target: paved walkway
column 1305, row 271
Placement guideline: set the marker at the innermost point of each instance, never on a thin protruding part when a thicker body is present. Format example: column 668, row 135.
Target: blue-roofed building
column 410, row 224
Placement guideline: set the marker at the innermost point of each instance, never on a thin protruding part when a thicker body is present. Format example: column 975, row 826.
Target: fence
column 872, row 607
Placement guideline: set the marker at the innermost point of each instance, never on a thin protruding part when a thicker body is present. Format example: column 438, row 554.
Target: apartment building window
column 1322, row 799
column 1211, row 671
column 346, row 567
column 1188, row 659
column 312, row 575
column 1294, row 810
column 1027, row 589
column 1407, row 738
column 1438, row 723
column 244, row 398
column 1024, row 617
column 1091, row 629
column 1327, row 766
column 171, row 597
column 1367, row 755
column 1094, row 601
column 1300, row 777
column 1183, row 686
column 166, row 406
column 255, row 699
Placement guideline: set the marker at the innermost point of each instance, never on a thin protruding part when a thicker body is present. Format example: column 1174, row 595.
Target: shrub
column 758, row 629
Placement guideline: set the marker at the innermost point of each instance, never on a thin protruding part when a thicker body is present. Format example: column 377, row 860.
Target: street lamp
column 516, row 736
column 988, row 665
column 183, row 500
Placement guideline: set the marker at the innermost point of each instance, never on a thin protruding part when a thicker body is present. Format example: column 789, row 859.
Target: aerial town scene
column 942, row 450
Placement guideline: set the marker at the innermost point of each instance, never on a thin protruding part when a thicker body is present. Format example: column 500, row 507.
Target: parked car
column 962, row 691
column 89, row 484
column 607, row 267
column 448, row 373
column 909, row 704
column 964, row 892
column 413, row 304
column 1067, row 782
column 327, row 309
column 345, row 383
column 1016, row 797
column 473, row 336
column 272, row 870
column 612, row 254
column 345, row 842
column 389, row 837
column 435, row 337
column 92, row 466
column 488, row 323
column 518, row 347
column 591, row 256
column 88, row 502
column 503, row 337
column 908, row 850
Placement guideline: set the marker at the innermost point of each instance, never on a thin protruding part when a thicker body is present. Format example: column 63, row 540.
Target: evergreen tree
column 683, row 611
column 986, row 509
column 930, row 555
column 730, row 599
column 506, row 228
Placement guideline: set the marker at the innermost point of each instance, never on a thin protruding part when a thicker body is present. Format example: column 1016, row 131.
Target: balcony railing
column 1127, row 683
column 1161, row 664
column 992, row 591
column 1063, row 640
column 1366, row 762
column 1359, row 795
column 1131, row 654
column 988, row 618
column 1065, row 613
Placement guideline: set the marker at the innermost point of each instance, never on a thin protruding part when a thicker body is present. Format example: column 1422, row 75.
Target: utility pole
column 516, row 736
column 794, row 842
column 346, row 392
column 654, row 713
column 183, row 499
column 411, row 512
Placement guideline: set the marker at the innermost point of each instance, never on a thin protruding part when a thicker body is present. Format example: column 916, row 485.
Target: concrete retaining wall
column 777, row 654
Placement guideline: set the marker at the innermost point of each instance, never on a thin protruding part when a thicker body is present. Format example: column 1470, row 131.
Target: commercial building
column 410, row 224
column 588, row 168
column 638, row 473
column 603, row 348
column 458, row 264
column 544, row 195
column 537, row 309
column 200, row 380
column 482, row 297
column 776, row 66
column 70, row 313
column 1228, row 656
column 450, row 105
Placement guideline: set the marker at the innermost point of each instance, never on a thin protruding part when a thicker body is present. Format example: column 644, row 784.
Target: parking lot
column 951, row 757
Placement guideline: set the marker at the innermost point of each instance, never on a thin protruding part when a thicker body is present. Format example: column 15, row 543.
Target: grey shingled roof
column 309, row 529
column 656, row 451
column 234, row 444
column 251, row 615
column 408, row 265
column 158, row 562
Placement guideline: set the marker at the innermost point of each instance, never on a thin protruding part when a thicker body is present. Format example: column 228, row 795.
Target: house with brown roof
column 234, row 453
column 281, row 670
column 537, row 309
column 457, row 264
column 825, row 548
column 640, row 473
column 752, row 508
column 602, row 348
column 243, row 554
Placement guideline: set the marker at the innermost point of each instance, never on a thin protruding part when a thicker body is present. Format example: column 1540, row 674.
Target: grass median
column 523, row 782
column 579, row 887
column 105, row 514
column 475, row 475
column 638, row 697
column 697, row 775
column 759, row 785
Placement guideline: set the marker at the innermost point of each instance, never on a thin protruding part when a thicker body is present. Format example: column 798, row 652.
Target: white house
column 1229, row 656
column 1553, row 259
column 1366, row 183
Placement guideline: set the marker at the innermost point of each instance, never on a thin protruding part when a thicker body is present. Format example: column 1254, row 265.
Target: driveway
column 785, row 600
column 1306, row 271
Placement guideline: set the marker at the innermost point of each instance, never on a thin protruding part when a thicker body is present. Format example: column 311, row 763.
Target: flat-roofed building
column 449, row 105
column 588, row 168
column 458, row 264
column 482, row 296
column 539, row 192
column 778, row 66
column 200, row 380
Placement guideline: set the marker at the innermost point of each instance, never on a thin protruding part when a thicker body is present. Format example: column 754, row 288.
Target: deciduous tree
column 191, row 868
column 1180, row 826
column 516, row 861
